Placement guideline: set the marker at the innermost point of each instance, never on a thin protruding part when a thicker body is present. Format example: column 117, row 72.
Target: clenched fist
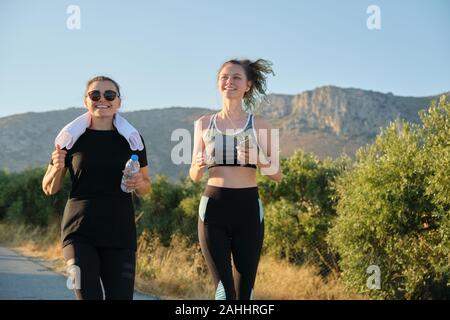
column 58, row 157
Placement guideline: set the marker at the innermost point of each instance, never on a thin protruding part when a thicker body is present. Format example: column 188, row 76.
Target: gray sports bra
column 221, row 147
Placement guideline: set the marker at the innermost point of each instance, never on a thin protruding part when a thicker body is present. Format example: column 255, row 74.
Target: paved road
column 27, row 278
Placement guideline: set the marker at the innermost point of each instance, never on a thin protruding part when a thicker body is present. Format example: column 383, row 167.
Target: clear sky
column 166, row 53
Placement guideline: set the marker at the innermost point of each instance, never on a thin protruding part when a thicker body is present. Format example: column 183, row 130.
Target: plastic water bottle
column 131, row 168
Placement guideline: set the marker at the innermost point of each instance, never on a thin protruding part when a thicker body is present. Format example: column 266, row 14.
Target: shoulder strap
column 211, row 121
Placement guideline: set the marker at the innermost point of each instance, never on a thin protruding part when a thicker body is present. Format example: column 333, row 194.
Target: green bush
column 171, row 208
column 394, row 208
column 23, row 201
column 188, row 210
column 159, row 209
column 299, row 209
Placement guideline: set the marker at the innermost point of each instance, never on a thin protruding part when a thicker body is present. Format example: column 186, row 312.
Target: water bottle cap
column 135, row 157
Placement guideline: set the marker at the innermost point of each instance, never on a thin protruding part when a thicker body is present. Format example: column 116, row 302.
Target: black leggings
column 231, row 223
column 114, row 267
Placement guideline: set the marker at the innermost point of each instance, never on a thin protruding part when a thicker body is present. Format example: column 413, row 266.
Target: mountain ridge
column 327, row 121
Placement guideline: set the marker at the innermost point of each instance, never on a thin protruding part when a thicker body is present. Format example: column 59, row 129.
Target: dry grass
column 280, row 280
column 179, row 272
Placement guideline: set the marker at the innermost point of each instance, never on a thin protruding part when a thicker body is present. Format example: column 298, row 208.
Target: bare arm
column 54, row 177
column 198, row 154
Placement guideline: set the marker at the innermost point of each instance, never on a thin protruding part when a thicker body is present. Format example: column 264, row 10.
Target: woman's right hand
column 58, row 157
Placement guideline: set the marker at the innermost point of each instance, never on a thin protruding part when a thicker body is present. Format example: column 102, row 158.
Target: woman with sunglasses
column 98, row 226
column 232, row 143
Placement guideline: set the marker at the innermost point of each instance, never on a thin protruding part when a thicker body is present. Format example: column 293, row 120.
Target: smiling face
column 232, row 81
column 102, row 108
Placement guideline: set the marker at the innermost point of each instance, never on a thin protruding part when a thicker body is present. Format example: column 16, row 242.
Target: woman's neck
column 232, row 109
column 101, row 124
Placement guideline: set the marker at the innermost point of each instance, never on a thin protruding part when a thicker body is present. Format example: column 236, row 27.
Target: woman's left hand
column 136, row 182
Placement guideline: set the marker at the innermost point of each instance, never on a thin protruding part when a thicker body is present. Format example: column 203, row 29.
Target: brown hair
column 256, row 72
column 102, row 78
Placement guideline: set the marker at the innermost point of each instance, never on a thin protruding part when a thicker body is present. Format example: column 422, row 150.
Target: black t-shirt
column 98, row 211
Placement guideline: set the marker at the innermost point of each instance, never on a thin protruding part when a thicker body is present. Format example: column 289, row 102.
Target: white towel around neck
column 68, row 135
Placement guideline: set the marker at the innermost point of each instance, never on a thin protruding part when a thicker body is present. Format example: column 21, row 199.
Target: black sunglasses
column 96, row 95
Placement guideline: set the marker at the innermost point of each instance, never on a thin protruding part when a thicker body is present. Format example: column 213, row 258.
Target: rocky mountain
column 330, row 120
column 327, row 121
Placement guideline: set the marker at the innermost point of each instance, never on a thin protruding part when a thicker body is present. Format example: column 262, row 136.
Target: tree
column 393, row 210
column 299, row 210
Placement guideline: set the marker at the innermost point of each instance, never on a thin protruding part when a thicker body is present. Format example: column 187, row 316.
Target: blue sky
column 166, row 53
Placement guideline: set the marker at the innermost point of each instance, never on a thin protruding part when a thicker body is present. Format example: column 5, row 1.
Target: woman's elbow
column 277, row 177
column 194, row 175
column 49, row 192
column 194, row 178
column 45, row 188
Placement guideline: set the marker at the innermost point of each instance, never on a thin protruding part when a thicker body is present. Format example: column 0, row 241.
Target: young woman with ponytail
column 232, row 144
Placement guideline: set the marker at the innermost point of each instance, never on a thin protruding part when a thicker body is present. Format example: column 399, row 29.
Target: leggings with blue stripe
column 231, row 224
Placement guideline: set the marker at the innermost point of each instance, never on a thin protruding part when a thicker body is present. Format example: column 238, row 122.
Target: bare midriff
column 232, row 177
